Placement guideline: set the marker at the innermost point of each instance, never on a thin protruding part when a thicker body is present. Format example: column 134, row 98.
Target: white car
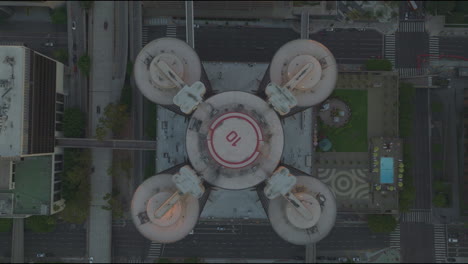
column 91, row 259
column 49, row 44
column 330, row 29
column 453, row 240
column 196, row 26
column 361, row 29
column 406, row 16
column 220, row 228
column 356, row 259
column 73, row 25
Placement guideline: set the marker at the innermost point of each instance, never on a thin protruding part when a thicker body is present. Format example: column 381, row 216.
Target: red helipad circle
column 234, row 139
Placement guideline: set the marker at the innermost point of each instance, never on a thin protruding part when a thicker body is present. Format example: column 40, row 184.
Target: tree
column 59, row 15
column 61, row 55
column 113, row 204
column 462, row 6
column 381, row 223
column 378, row 65
column 5, row 224
column 40, row 223
column 76, row 186
column 129, row 68
column 84, row 63
column 126, row 97
column 74, row 122
column 115, row 117
column 440, row 200
column 101, row 132
column 440, row 7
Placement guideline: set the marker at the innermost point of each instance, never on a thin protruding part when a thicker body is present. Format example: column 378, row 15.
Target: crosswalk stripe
column 440, row 244
column 389, row 54
column 413, row 26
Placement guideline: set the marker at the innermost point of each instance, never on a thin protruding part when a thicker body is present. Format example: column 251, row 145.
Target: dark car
column 105, row 25
column 74, row 46
column 74, row 58
column 451, row 260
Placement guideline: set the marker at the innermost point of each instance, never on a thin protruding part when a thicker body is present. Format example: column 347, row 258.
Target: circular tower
column 312, row 58
column 293, row 226
column 172, row 226
column 234, row 140
column 150, row 78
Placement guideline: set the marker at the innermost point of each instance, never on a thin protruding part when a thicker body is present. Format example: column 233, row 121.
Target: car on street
column 451, row 260
column 361, row 29
column 330, row 29
column 105, row 25
column 75, row 68
column 75, row 59
column 453, row 240
column 91, row 259
column 342, row 259
column 196, row 26
column 220, row 228
column 40, row 255
column 191, row 232
column 73, row 25
column 406, row 16
column 74, row 46
column 356, row 259
column 49, row 44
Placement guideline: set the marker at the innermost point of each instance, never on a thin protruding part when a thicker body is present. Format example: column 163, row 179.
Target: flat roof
column 33, row 177
column 11, row 99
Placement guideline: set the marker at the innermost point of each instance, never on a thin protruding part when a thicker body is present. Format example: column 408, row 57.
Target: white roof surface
column 11, row 100
column 234, row 140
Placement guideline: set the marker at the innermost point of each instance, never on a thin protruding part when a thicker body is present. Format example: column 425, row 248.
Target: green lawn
column 353, row 136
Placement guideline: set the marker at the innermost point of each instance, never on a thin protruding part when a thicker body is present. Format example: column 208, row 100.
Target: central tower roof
column 234, row 140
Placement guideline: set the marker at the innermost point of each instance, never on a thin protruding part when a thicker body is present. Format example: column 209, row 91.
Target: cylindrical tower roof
column 321, row 79
column 176, row 223
column 291, row 225
column 234, row 140
column 178, row 55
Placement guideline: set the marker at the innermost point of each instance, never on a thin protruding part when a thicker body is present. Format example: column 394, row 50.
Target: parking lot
column 457, row 242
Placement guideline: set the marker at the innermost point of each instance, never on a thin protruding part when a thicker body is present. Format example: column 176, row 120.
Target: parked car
column 75, row 59
column 356, row 259
column 191, row 232
column 342, row 259
column 453, row 240
column 91, row 259
column 105, row 25
column 74, row 46
column 196, row 26
column 406, row 16
column 220, row 228
column 451, row 260
column 73, row 25
column 49, row 44
column 330, row 29
column 361, row 29
column 40, row 255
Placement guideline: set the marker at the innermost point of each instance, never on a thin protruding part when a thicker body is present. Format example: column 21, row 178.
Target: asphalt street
column 419, row 141
column 35, row 34
column 460, row 248
column 235, row 241
column 350, row 46
column 416, row 243
column 356, row 237
column 65, row 241
column 408, row 46
column 5, row 244
column 246, row 241
column 456, row 46
column 128, row 242
column 251, row 44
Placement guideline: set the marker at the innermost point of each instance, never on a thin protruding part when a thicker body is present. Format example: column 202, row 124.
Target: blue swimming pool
column 386, row 170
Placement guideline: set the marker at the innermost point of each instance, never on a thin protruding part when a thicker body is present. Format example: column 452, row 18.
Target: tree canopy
column 5, row 224
column 59, row 15
column 84, row 63
column 74, row 122
column 381, row 223
column 378, row 65
column 40, row 223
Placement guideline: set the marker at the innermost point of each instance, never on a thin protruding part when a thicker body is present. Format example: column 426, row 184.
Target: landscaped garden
column 353, row 136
